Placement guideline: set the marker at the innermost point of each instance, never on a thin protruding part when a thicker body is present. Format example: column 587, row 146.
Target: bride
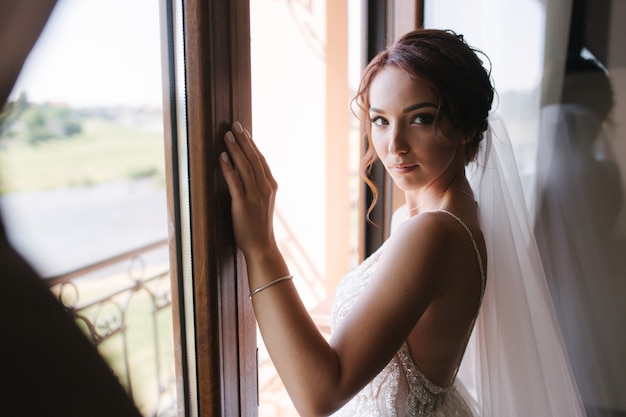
column 450, row 316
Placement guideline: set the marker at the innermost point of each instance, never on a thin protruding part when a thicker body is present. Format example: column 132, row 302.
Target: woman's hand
column 253, row 191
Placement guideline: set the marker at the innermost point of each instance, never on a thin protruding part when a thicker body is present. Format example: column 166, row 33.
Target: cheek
column 449, row 137
column 445, row 144
column 442, row 151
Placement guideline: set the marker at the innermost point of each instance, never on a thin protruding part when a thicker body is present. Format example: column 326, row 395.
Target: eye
column 423, row 119
column 379, row 121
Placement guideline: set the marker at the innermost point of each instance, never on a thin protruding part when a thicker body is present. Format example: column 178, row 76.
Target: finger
column 252, row 170
column 262, row 172
column 240, row 161
column 249, row 148
column 264, row 166
column 248, row 137
column 230, row 176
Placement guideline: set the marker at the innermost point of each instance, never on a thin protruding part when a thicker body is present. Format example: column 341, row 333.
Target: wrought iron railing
column 124, row 306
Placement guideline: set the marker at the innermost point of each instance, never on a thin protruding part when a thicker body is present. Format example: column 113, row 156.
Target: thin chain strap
column 482, row 276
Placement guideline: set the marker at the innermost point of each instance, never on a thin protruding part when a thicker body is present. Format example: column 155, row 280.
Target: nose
column 397, row 141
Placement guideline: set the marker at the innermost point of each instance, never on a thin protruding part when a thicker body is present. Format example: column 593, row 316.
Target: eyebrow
column 408, row 109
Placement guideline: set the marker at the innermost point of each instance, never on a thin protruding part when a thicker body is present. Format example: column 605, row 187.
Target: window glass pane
column 83, row 189
column 512, row 36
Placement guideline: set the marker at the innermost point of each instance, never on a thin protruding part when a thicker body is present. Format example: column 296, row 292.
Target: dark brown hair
column 454, row 71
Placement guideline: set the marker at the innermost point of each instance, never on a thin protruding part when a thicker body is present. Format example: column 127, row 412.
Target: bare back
column 438, row 340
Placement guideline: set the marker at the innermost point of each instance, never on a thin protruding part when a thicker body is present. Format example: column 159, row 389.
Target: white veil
column 515, row 364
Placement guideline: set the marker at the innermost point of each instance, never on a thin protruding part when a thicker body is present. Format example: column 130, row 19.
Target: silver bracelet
column 269, row 284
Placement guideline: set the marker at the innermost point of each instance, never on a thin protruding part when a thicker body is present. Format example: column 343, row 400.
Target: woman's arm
column 306, row 363
column 320, row 376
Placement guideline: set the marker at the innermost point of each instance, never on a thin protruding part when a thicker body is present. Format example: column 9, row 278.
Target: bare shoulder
column 427, row 229
column 421, row 244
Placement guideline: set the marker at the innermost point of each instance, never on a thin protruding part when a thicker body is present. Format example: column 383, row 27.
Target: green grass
column 105, row 151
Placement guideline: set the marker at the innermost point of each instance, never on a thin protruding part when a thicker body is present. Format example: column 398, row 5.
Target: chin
column 404, row 185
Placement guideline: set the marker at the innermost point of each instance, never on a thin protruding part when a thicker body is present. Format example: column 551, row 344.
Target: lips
column 402, row 168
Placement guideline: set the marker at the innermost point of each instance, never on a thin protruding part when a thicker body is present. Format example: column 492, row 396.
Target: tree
column 46, row 121
column 11, row 113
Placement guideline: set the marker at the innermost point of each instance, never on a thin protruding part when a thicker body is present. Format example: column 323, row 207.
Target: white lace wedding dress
column 515, row 364
column 401, row 388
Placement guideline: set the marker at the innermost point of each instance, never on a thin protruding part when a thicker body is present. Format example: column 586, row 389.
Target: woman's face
column 403, row 132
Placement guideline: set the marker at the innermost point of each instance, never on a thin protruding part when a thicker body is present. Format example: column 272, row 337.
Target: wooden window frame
column 386, row 20
column 219, row 360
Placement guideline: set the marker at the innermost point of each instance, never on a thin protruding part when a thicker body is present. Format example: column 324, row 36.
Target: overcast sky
column 97, row 52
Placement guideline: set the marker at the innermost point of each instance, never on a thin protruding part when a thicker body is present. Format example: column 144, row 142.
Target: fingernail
column 224, row 157
column 237, row 126
column 230, row 137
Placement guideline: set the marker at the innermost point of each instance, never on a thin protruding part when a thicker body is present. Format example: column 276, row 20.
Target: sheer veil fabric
column 516, row 363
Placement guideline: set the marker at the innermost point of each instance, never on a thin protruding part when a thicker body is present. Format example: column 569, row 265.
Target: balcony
column 123, row 304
